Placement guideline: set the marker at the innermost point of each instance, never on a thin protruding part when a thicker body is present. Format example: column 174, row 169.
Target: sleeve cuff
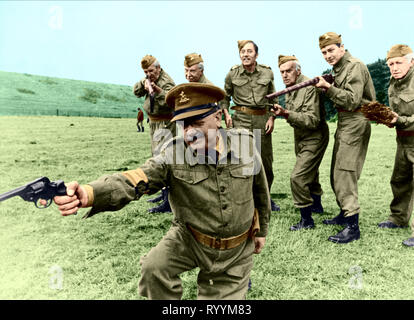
column 89, row 192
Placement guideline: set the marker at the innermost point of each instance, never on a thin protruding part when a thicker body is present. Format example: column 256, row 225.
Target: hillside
column 26, row 94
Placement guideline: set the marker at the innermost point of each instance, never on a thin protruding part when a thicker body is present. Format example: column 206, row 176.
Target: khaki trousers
column 304, row 179
column 348, row 157
column 224, row 274
column 402, row 182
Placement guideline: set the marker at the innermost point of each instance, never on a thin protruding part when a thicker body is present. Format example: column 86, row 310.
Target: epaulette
column 235, row 67
column 265, row 66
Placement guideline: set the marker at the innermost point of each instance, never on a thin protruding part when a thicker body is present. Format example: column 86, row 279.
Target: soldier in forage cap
column 159, row 115
column 247, row 85
column 305, row 112
column 194, row 68
column 219, row 199
column 353, row 87
column 400, row 60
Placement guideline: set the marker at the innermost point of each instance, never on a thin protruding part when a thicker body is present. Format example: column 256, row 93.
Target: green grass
column 100, row 256
column 27, row 94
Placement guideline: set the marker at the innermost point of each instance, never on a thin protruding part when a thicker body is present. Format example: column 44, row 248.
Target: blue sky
column 104, row 41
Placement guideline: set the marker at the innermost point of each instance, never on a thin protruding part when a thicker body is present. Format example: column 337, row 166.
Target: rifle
column 151, row 94
column 328, row 77
column 41, row 188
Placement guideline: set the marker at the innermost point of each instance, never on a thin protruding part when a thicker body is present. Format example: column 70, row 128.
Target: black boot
column 142, row 128
column 274, row 206
column 350, row 233
column 165, row 204
column 339, row 219
column 316, row 207
column 306, row 221
column 157, row 198
column 409, row 242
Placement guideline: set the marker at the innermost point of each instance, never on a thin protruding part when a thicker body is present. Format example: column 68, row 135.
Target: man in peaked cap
column 353, row 87
column 247, row 85
column 219, row 199
column 400, row 60
column 194, row 68
column 159, row 114
column 305, row 112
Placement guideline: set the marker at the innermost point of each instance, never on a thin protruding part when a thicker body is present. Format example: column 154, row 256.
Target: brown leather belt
column 343, row 110
column 402, row 133
column 226, row 243
column 160, row 117
column 247, row 110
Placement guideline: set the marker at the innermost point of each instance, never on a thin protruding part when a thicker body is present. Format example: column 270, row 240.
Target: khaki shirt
column 248, row 89
column 216, row 199
column 401, row 97
column 353, row 84
column 165, row 82
column 306, row 112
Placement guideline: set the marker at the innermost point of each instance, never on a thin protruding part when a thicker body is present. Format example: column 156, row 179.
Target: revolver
column 41, row 188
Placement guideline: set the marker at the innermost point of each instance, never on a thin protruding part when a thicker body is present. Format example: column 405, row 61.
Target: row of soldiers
column 222, row 213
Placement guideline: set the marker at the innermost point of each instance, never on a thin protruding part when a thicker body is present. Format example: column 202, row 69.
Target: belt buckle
column 217, row 243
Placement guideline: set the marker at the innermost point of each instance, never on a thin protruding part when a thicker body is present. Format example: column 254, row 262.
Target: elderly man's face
column 196, row 133
column 153, row 72
column 399, row 66
column 332, row 53
column 193, row 73
column 289, row 73
column 248, row 55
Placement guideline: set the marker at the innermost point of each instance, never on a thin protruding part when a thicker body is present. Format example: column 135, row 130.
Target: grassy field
column 99, row 257
column 27, row 94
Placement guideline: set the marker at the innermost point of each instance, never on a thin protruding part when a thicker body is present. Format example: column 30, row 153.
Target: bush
column 27, row 91
column 91, row 96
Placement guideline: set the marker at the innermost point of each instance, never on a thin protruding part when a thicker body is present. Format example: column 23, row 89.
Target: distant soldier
column 353, row 87
column 305, row 112
column 248, row 84
column 400, row 60
column 158, row 112
column 140, row 120
column 194, row 68
column 221, row 206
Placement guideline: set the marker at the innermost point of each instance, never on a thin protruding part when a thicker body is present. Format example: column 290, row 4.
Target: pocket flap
column 240, row 82
column 407, row 97
column 190, row 176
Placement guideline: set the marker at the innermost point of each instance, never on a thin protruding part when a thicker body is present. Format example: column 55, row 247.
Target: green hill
column 27, row 94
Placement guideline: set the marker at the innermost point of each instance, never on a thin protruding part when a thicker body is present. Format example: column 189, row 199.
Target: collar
column 256, row 69
column 339, row 65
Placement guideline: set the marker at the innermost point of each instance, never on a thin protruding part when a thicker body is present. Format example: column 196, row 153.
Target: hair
column 201, row 66
column 256, row 48
column 156, row 64
column 298, row 67
column 409, row 57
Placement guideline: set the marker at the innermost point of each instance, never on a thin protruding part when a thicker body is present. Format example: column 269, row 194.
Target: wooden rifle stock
column 151, row 93
column 328, row 77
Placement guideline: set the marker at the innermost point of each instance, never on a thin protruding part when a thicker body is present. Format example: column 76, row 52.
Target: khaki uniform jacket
column 203, row 79
column 353, row 84
column 217, row 200
column 401, row 97
column 306, row 113
column 249, row 89
column 165, row 82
